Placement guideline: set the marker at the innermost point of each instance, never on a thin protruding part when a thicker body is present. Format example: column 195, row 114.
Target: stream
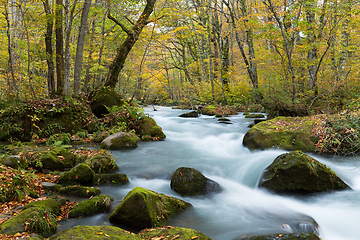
column 241, row 208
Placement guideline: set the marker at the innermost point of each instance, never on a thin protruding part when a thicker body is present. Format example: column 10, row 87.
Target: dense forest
column 294, row 57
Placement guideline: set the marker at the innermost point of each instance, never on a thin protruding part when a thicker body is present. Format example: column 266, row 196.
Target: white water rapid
column 241, row 208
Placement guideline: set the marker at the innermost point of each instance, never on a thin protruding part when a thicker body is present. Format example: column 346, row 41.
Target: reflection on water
column 241, row 208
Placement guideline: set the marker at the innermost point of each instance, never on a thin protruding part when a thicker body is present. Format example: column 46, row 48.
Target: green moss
column 283, row 132
column 298, row 172
column 254, row 115
column 148, row 126
column 34, row 220
column 81, row 174
column 104, row 98
column 116, row 178
column 79, row 191
column 91, row 206
column 144, row 208
column 52, row 204
column 178, row 233
column 102, row 163
column 94, row 233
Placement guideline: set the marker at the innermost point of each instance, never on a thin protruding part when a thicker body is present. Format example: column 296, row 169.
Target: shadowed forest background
column 292, row 57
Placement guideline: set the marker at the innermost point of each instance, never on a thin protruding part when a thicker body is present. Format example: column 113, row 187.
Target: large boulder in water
column 192, row 114
column 289, row 133
column 81, row 174
column 120, row 140
column 143, row 208
column 147, row 127
column 296, row 172
column 190, row 182
column 178, row 233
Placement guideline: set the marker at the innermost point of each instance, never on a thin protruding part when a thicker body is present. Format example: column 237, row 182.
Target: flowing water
column 241, row 208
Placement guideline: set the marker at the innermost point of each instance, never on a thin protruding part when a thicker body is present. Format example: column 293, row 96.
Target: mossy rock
column 114, row 178
column 120, row 140
column 102, row 163
column 192, row 114
column 289, row 133
column 34, row 220
column 296, row 172
column 179, row 233
column 254, row 115
column 95, row 233
column 148, row 126
column 52, row 204
column 191, row 182
column 81, row 174
column 16, row 162
column 104, row 98
column 208, row 110
column 34, row 237
column 282, row 236
column 79, row 191
column 143, row 208
column 89, row 207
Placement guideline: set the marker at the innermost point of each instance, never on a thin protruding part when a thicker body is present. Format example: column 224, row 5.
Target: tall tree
column 80, row 47
column 59, row 46
column 132, row 36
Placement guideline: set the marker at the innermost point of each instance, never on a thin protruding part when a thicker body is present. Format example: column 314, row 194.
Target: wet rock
column 224, row 120
column 115, row 178
column 143, row 208
column 191, row 182
column 192, row 114
column 79, row 191
column 91, row 206
column 296, row 172
column 147, row 126
column 120, row 140
column 94, row 233
column 179, row 233
column 81, row 174
column 52, row 204
column 289, row 133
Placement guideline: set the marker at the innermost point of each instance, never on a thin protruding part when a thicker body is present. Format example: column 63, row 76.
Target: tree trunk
column 80, row 47
column 59, row 47
column 133, row 35
column 312, row 53
column 49, row 49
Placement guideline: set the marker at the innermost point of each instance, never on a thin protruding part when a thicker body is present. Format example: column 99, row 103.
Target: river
column 241, row 208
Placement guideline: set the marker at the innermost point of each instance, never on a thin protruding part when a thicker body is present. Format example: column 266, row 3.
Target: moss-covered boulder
column 115, row 178
column 147, row 126
column 34, row 220
column 296, row 172
column 100, row 136
column 95, row 233
column 81, row 174
column 289, row 133
column 43, row 118
column 192, row 114
column 282, row 236
column 179, row 233
column 254, row 115
column 120, row 140
column 79, row 191
column 53, row 205
column 102, row 163
column 15, row 161
column 103, row 99
column 190, row 182
column 89, row 207
column 143, row 208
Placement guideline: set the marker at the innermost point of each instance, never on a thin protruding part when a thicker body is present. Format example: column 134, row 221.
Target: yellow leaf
column 99, row 233
column 194, row 237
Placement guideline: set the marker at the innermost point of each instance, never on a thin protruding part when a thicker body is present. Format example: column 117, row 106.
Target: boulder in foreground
column 143, row 208
column 178, row 233
column 296, row 172
column 190, row 182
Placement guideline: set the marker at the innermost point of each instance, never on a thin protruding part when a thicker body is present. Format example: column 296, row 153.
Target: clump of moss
column 102, row 163
column 91, row 206
column 79, row 191
column 115, row 178
column 81, row 174
column 179, row 233
column 147, row 126
column 142, row 208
